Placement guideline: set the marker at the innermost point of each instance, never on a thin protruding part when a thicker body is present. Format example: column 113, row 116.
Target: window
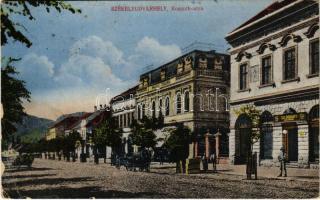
column 266, row 70
column 314, row 57
column 160, row 107
column 186, row 102
column 167, row 106
column 124, row 120
column 178, row 105
column 143, row 110
column 266, row 135
column 243, row 76
column 139, row 112
column 153, row 109
column 289, row 64
column 121, row 121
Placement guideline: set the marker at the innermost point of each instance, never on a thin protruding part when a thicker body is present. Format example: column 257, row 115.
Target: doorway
column 290, row 141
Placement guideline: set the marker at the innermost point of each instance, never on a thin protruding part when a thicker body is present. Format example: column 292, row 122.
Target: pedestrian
column 213, row 159
column 282, row 159
column 204, row 163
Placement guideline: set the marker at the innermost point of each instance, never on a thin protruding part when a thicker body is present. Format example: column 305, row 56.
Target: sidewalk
column 310, row 175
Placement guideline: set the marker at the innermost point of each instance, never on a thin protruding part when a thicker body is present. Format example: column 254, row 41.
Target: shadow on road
column 44, row 181
column 83, row 192
column 12, row 170
column 27, row 176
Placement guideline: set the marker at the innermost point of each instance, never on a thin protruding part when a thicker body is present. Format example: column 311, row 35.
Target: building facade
column 192, row 89
column 275, row 67
column 123, row 111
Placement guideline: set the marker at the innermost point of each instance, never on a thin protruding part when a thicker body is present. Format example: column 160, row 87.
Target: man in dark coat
column 282, row 159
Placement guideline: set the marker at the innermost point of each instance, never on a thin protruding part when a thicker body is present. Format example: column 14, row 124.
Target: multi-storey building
column 192, row 89
column 275, row 66
column 123, row 111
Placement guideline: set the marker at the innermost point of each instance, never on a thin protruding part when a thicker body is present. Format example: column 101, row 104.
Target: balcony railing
column 208, row 72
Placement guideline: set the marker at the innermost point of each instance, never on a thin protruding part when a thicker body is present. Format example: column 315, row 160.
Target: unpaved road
column 60, row 179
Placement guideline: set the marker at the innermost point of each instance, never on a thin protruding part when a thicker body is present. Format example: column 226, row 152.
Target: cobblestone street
column 60, row 179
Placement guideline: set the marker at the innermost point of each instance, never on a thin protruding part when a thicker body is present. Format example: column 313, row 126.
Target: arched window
column 153, row 109
column 143, row 110
column 186, row 102
column 160, row 107
column 167, row 106
column 178, row 105
column 266, row 138
column 139, row 112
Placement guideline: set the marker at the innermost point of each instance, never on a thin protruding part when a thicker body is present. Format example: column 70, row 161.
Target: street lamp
column 285, row 132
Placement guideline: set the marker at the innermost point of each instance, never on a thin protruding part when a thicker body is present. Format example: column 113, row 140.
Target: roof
column 66, row 121
column 276, row 5
column 78, row 122
column 125, row 95
column 96, row 117
column 174, row 60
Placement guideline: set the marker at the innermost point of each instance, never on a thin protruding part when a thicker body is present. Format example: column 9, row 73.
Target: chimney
column 95, row 108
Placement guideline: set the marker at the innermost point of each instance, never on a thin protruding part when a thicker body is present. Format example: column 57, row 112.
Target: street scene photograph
column 160, row 99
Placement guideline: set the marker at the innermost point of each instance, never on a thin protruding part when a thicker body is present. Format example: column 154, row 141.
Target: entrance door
column 244, row 143
column 290, row 141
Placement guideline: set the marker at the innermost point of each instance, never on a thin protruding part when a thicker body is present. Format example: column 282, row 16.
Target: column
column 276, row 143
column 207, row 145
column 218, row 135
column 232, row 145
column 196, row 149
column 303, row 144
column 191, row 150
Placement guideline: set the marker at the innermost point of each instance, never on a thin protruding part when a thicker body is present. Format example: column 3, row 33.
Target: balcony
column 209, row 72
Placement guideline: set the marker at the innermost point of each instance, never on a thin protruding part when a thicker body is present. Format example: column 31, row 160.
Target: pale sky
column 76, row 57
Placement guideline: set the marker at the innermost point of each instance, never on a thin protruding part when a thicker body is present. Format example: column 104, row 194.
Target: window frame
column 310, row 57
column 176, row 104
column 247, row 76
column 167, row 108
column 296, row 77
column 271, row 69
column 184, row 101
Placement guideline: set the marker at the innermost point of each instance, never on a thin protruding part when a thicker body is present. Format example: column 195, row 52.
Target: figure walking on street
column 282, row 159
column 213, row 159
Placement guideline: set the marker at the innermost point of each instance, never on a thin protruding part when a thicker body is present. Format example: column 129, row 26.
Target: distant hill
column 32, row 128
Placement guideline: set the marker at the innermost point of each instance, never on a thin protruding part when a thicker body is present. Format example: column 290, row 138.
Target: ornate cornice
column 283, row 32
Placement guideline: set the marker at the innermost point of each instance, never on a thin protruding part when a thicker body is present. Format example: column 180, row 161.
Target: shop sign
column 291, row 117
column 301, row 134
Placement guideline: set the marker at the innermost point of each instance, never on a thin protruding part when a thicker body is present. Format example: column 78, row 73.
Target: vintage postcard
column 179, row 99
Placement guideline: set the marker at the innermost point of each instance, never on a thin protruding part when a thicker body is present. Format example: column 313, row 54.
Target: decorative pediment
column 272, row 47
column 262, row 47
column 218, row 63
column 285, row 39
column 180, row 67
column 241, row 54
column 202, row 62
column 312, row 30
column 187, row 63
column 163, row 74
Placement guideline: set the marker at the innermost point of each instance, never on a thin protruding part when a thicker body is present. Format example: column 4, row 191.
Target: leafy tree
column 69, row 144
column 142, row 133
column 178, row 144
column 13, row 93
column 254, row 135
column 9, row 9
